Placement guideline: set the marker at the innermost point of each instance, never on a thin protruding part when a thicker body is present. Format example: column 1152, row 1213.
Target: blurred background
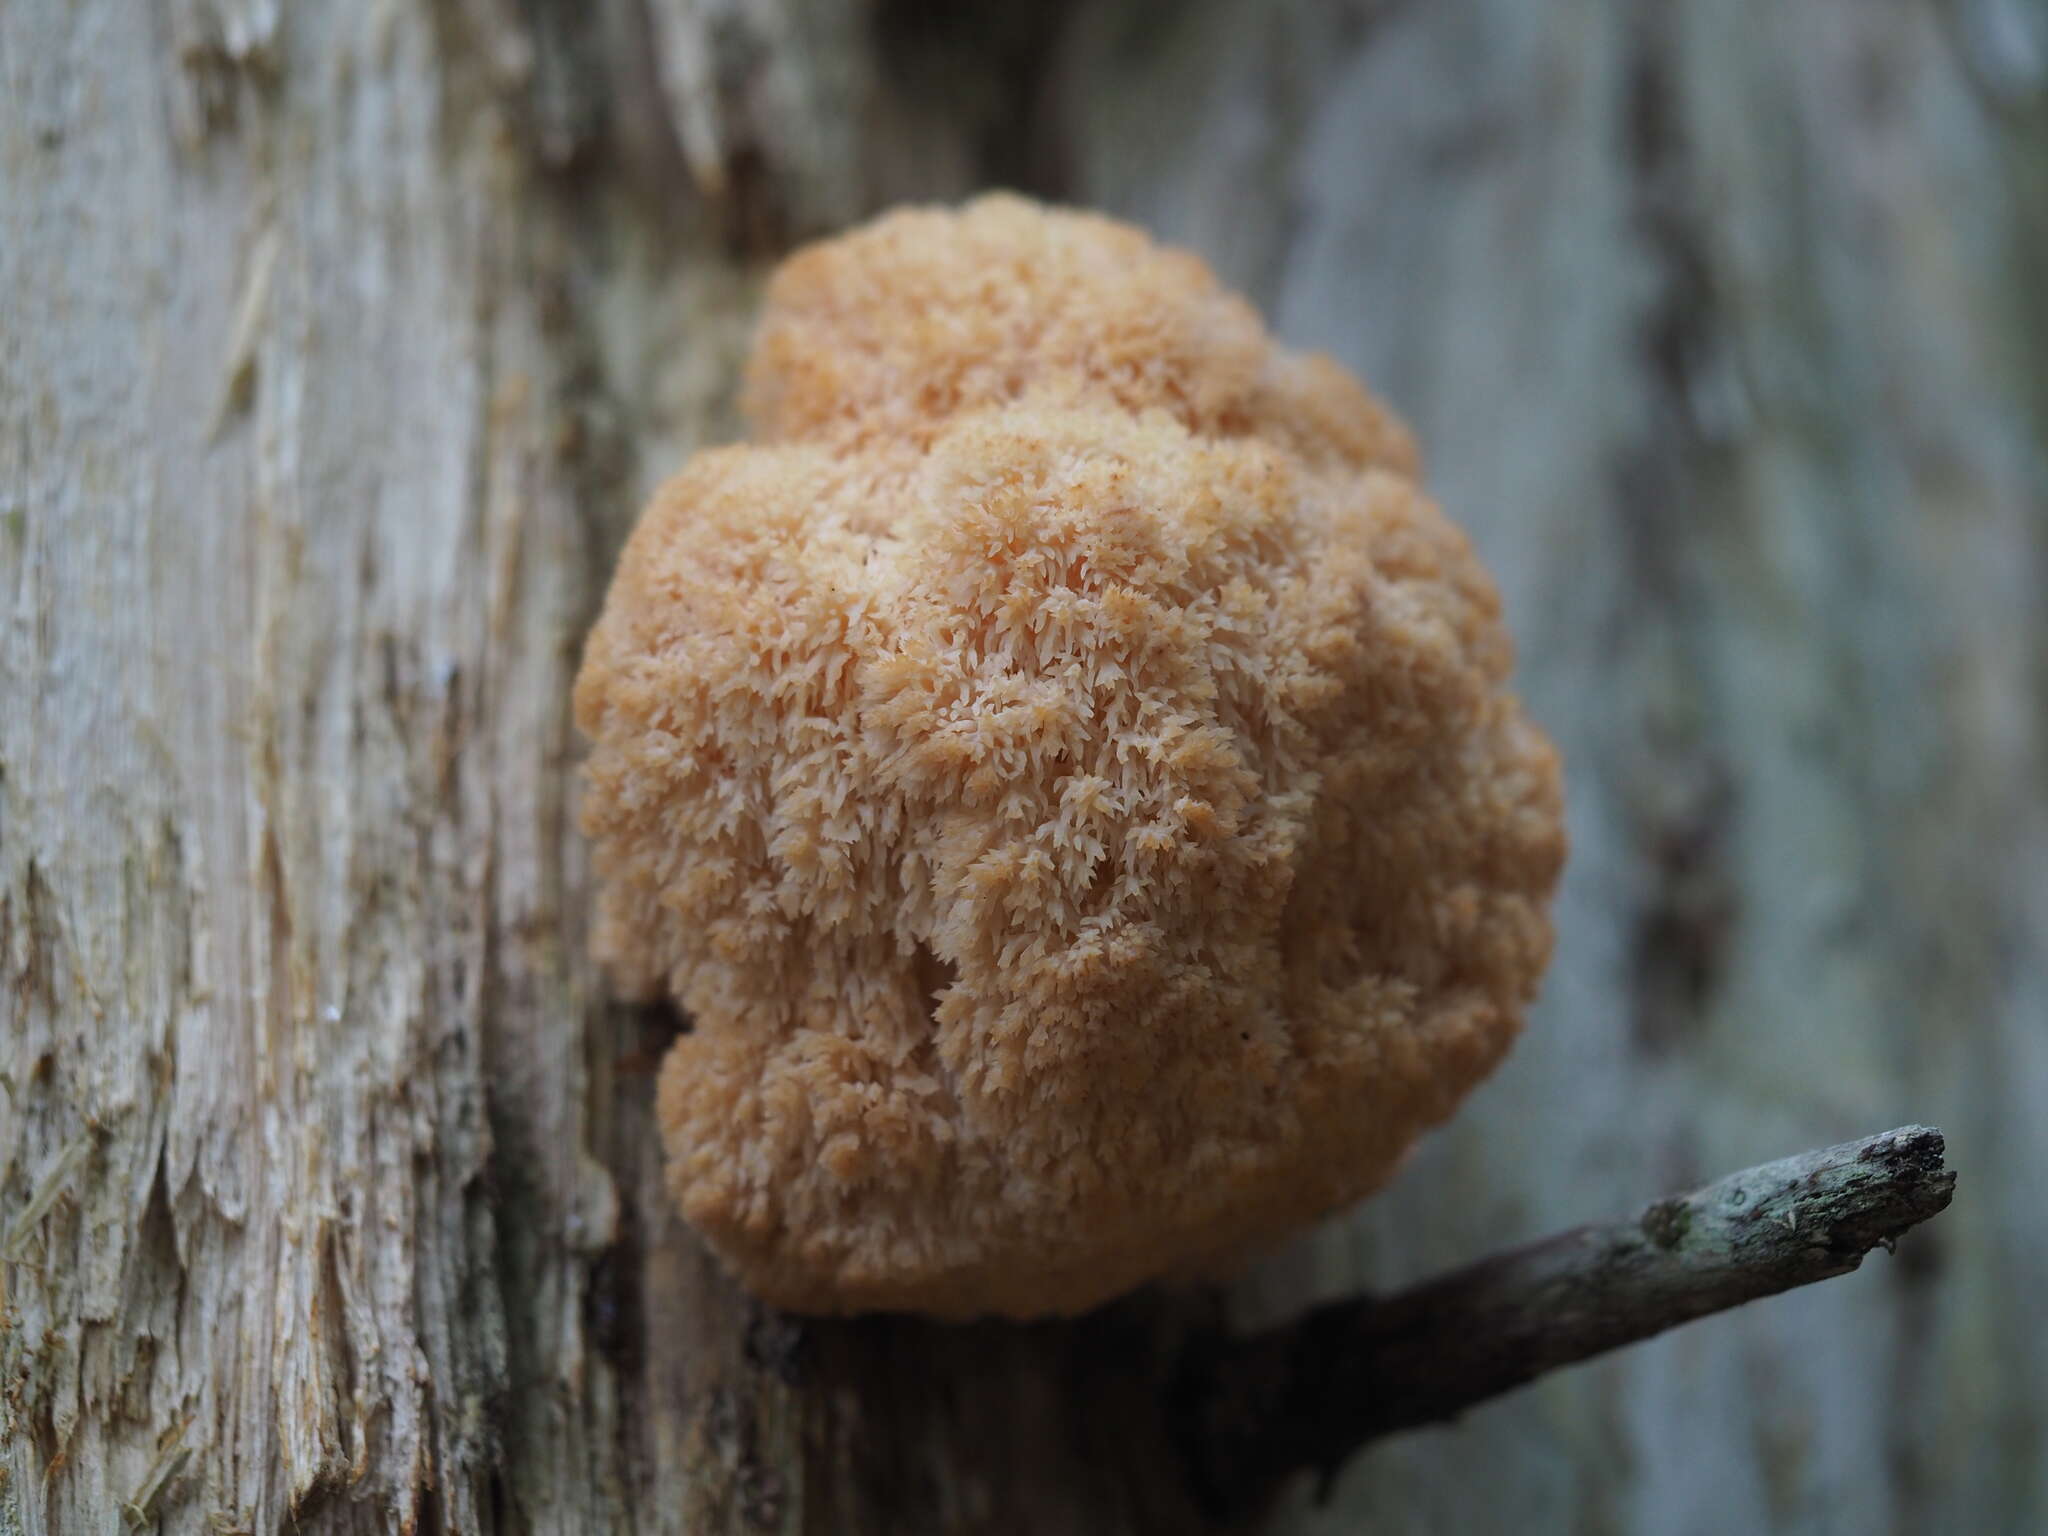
column 1723, row 328
column 342, row 346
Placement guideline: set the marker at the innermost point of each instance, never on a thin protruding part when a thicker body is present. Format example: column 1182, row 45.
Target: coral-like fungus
column 1063, row 767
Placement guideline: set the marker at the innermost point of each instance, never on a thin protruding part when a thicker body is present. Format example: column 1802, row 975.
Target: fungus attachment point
column 1063, row 765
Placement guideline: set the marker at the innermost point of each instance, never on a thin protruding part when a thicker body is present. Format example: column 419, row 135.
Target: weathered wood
column 334, row 339
column 341, row 343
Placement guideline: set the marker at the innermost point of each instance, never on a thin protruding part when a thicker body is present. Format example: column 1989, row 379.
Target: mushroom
column 1063, row 768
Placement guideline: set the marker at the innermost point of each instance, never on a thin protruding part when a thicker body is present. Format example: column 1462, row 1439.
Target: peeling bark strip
column 1309, row 1394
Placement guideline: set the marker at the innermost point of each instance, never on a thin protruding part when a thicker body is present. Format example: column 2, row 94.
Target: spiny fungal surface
column 1064, row 768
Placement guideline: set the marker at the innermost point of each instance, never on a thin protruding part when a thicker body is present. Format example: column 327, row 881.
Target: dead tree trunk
column 339, row 345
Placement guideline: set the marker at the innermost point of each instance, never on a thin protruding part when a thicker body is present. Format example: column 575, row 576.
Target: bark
column 340, row 345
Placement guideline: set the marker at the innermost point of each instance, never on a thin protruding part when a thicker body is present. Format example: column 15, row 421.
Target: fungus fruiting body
column 1063, row 767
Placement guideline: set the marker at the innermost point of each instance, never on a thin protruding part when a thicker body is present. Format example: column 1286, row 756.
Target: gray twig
column 1251, row 1411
